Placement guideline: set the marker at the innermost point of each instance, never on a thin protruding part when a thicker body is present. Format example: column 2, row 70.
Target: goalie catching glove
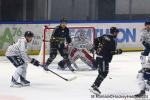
column 117, row 51
column 35, row 62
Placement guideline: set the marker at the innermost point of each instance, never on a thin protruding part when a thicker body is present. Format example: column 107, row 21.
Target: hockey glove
column 35, row 62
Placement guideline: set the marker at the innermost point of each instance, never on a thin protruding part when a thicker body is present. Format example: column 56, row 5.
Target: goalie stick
column 66, row 79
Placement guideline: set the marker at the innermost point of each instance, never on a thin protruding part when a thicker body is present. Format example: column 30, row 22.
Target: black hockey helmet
column 147, row 23
column 113, row 30
column 28, row 34
column 63, row 20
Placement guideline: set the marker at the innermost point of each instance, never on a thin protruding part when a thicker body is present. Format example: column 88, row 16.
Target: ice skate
column 24, row 82
column 14, row 83
column 142, row 93
column 94, row 89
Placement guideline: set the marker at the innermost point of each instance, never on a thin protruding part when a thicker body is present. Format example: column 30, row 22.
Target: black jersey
column 61, row 34
column 105, row 45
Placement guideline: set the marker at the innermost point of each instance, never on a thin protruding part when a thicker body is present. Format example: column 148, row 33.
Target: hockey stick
column 69, row 79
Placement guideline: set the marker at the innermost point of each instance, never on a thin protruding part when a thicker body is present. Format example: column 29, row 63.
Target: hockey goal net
column 73, row 31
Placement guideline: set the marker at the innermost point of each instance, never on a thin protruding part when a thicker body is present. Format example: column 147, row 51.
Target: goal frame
column 50, row 28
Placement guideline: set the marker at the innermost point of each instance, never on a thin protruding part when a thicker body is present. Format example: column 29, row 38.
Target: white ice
column 121, row 81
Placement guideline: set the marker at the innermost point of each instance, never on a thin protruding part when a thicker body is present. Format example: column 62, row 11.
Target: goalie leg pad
column 88, row 59
column 87, row 55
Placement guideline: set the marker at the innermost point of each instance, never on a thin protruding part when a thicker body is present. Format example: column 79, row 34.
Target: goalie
column 80, row 48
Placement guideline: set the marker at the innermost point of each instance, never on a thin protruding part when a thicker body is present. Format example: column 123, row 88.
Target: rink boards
column 128, row 38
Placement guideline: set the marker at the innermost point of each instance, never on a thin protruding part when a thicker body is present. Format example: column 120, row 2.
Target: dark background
column 46, row 10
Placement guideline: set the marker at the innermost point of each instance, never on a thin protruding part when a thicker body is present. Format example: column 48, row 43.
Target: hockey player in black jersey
column 105, row 47
column 57, row 43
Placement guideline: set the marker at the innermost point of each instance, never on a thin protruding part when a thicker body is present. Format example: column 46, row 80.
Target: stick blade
column 73, row 78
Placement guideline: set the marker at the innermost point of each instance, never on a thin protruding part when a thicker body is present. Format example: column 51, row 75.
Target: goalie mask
column 82, row 35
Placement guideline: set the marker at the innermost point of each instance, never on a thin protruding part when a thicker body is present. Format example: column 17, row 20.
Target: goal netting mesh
column 73, row 31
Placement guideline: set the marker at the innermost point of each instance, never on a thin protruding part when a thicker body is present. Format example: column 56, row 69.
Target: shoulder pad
column 106, row 38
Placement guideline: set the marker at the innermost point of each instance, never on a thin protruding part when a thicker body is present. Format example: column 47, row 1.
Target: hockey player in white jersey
column 79, row 48
column 144, row 74
column 17, row 54
column 145, row 39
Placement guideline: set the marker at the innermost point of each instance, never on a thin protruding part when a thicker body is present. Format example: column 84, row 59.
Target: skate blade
column 24, row 85
column 73, row 78
column 94, row 92
column 16, row 86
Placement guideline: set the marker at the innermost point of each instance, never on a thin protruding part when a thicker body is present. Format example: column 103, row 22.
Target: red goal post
column 90, row 33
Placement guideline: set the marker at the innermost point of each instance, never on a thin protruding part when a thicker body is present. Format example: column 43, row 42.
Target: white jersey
column 19, row 49
column 145, row 36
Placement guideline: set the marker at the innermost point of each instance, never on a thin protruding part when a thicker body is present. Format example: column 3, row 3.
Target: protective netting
column 74, row 32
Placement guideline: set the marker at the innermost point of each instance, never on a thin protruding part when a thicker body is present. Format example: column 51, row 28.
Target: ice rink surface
column 121, row 81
